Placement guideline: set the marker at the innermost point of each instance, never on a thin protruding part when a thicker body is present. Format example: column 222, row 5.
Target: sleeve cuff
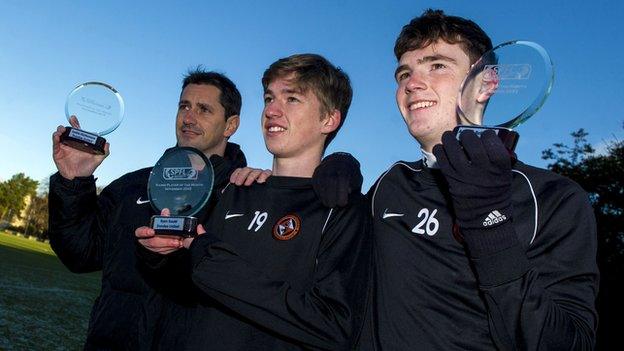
column 502, row 267
column 149, row 258
column 486, row 242
column 200, row 247
column 78, row 184
column 496, row 253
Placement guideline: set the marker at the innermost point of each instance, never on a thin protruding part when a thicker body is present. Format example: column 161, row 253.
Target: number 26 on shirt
column 428, row 224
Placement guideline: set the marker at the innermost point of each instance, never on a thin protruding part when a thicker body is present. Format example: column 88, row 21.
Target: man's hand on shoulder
column 247, row 176
column 337, row 177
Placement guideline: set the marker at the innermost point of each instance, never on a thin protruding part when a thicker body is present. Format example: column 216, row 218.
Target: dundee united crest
column 287, row 227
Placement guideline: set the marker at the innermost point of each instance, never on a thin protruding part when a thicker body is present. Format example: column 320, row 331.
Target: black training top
column 279, row 271
column 430, row 294
column 91, row 232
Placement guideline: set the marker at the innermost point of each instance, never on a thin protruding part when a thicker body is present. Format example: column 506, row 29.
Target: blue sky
column 143, row 49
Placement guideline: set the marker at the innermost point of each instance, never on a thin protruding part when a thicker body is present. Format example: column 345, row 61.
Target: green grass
column 21, row 243
column 43, row 306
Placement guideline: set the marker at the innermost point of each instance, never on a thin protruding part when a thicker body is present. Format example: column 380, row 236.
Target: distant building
column 20, row 220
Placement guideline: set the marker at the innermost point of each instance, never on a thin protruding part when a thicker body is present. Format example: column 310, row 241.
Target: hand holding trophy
column 504, row 88
column 182, row 182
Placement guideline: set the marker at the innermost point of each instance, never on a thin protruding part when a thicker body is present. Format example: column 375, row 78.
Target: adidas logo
column 494, row 217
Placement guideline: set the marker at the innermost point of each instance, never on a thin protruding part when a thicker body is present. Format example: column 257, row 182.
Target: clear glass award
column 181, row 181
column 504, row 88
column 93, row 109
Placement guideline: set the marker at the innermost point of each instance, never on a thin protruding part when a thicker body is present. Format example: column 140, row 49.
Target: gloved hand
column 479, row 177
column 335, row 178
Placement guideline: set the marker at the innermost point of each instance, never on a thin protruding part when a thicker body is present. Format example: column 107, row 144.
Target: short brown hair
column 433, row 25
column 229, row 97
column 330, row 84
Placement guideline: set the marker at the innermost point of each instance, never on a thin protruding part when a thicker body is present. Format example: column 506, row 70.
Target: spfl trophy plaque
column 93, row 109
column 504, row 88
column 181, row 181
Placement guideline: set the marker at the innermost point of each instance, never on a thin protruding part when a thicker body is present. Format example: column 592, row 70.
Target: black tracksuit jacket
column 91, row 233
column 257, row 292
column 430, row 294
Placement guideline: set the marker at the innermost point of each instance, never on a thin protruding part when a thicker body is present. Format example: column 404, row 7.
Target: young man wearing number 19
column 277, row 269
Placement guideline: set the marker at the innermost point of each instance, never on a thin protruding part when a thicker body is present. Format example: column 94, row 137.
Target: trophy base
column 174, row 225
column 83, row 141
column 508, row 136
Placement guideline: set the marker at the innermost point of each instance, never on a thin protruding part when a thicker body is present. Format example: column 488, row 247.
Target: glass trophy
column 503, row 89
column 181, row 181
column 93, row 109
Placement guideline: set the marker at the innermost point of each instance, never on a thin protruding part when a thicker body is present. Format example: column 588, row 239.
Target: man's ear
column 331, row 122
column 231, row 125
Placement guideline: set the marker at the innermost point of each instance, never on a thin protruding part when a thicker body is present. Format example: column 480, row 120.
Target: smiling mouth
column 275, row 129
column 188, row 131
column 418, row 105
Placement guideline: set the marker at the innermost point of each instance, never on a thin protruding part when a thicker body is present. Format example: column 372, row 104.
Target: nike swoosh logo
column 228, row 215
column 387, row 214
column 141, row 202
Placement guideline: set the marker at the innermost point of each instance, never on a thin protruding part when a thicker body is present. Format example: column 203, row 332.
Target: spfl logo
column 179, row 173
column 514, row 71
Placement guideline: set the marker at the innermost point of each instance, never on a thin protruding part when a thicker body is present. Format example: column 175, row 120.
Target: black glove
column 335, row 178
column 479, row 178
